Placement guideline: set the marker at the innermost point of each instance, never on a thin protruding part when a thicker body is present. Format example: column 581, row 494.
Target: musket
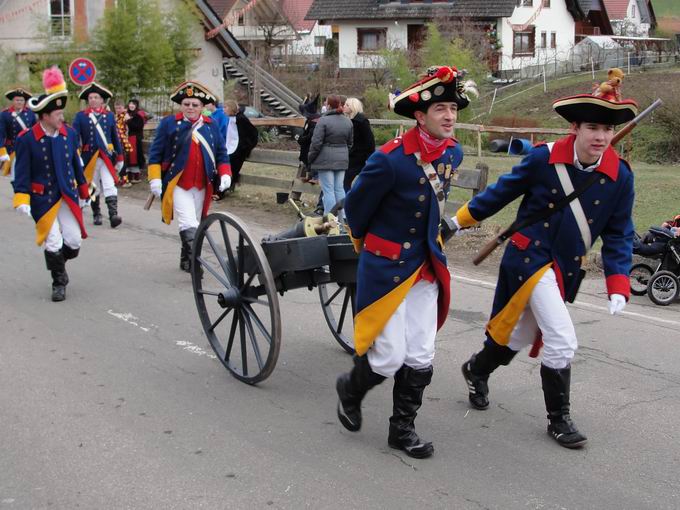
column 149, row 201
column 488, row 248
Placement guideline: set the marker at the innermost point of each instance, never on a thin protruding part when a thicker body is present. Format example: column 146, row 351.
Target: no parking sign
column 82, row 71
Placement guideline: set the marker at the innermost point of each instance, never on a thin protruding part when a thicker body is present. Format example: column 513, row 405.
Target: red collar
column 180, row 116
column 411, row 145
column 39, row 132
column 563, row 152
column 89, row 110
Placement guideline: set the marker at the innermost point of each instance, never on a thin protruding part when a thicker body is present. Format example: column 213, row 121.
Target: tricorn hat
column 55, row 93
column 95, row 87
column 193, row 89
column 440, row 84
column 18, row 91
column 588, row 108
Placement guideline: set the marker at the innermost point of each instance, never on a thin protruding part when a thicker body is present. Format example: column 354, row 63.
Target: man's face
column 191, row 108
column 591, row 140
column 95, row 101
column 53, row 120
column 119, row 108
column 18, row 102
column 439, row 120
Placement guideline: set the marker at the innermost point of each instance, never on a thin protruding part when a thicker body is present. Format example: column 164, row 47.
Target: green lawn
column 666, row 8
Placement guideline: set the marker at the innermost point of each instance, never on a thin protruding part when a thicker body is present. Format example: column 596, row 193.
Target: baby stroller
column 660, row 281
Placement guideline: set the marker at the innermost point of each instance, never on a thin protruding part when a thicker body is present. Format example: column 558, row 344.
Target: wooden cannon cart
column 236, row 279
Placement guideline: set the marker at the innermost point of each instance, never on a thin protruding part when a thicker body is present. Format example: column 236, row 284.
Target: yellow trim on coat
column 21, row 199
column 167, row 204
column 465, row 219
column 3, row 151
column 370, row 321
column 501, row 325
column 89, row 169
column 7, row 166
column 154, row 171
column 358, row 242
column 44, row 224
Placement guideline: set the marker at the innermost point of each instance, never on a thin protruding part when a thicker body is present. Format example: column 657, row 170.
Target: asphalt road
column 112, row 399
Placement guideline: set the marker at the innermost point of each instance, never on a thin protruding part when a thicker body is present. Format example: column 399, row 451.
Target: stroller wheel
column 640, row 275
column 663, row 288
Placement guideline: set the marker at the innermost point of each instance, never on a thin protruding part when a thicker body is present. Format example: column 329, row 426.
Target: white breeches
column 408, row 337
column 103, row 179
column 548, row 312
column 65, row 230
column 187, row 206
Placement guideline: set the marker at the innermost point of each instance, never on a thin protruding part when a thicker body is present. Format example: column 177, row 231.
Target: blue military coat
column 10, row 129
column 169, row 153
column 48, row 171
column 393, row 215
column 93, row 147
column 556, row 242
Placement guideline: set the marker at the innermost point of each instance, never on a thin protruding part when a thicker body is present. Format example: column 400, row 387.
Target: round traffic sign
column 82, row 71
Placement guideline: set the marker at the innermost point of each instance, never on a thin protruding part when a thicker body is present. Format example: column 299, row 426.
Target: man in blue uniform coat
column 49, row 182
column 101, row 150
column 393, row 211
column 541, row 267
column 13, row 120
column 187, row 153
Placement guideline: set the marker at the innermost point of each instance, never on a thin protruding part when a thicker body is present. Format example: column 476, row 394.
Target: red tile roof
column 295, row 11
column 617, row 9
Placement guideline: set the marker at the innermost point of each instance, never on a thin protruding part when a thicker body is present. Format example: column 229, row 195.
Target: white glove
column 119, row 166
column 4, row 157
column 461, row 231
column 225, row 182
column 83, row 202
column 616, row 304
column 156, row 187
column 24, row 209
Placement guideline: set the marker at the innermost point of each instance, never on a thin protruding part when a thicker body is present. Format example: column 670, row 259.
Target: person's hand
column 83, row 202
column 127, row 116
column 24, row 209
column 225, row 182
column 119, row 166
column 616, row 304
column 156, row 187
column 460, row 230
column 4, row 157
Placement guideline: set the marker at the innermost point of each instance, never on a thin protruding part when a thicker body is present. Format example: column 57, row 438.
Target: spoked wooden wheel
column 338, row 302
column 236, row 297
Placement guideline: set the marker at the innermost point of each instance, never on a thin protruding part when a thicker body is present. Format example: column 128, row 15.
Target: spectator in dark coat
column 135, row 161
column 364, row 142
column 329, row 152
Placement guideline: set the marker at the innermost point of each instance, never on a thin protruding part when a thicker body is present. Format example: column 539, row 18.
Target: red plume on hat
column 53, row 80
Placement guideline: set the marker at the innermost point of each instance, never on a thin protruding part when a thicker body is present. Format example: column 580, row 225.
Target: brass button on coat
column 419, row 214
column 407, row 245
column 412, row 230
column 421, row 198
column 421, row 180
column 396, row 279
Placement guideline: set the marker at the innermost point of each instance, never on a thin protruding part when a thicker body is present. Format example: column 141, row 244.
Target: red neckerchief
column 431, row 148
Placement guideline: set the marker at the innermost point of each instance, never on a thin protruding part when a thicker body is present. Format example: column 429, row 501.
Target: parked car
column 293, row 132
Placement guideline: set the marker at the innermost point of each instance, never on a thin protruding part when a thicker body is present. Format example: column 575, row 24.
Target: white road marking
column 129, row 318
column 579, row 304
column 194, row 349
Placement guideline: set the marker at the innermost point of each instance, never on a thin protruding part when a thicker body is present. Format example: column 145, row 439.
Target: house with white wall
column 527, row 32
column 26, row 27
column 631, row 18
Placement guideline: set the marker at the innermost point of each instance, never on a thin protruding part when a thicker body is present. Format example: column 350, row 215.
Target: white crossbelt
column 205, row 144
column 434, row 181
column 19, row 120
column 100, row 131
column 576, row 208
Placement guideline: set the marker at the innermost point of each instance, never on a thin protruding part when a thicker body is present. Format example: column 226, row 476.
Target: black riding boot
column 478, row 368
column 54, row 260
column 96, row 210
column 69, row 253
column 556, row 383
column 187, row 237
column 407, row 395
column 112, row 204
column 352, row 388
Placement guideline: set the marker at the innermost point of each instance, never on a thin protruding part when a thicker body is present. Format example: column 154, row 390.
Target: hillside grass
column 666, row 8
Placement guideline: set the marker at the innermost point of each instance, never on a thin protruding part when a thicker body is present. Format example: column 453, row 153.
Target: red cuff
column 224, row 169
column 618, row 284
column 120, row 158
column 83, row 191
